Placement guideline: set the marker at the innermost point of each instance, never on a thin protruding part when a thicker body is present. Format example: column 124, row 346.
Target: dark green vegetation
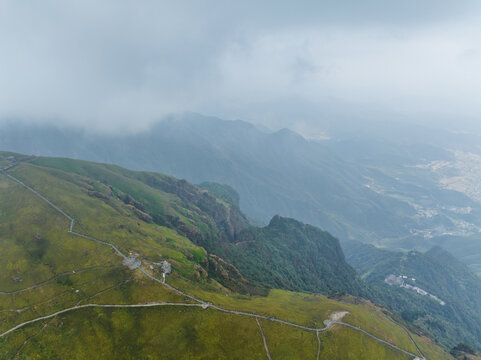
column 45, row 269
column 222, row 192
column 435, row 271
column 464, row 352
column 464, row 348
column 290, row 255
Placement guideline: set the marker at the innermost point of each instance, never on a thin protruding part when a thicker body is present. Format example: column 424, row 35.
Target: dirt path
column 72, row 272
column 145, row 305
column 264, row 339
column 410, row 337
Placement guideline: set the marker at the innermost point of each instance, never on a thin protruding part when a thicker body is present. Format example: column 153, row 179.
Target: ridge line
column 202, row 303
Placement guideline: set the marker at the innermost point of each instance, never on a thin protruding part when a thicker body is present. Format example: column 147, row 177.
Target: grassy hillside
column 285, row 254
column 45, row 269
column 185, row 334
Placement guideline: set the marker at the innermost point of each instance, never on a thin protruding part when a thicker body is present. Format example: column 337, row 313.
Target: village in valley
column 404, row 282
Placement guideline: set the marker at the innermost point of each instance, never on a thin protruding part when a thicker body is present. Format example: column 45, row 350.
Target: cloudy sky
column 114, row 64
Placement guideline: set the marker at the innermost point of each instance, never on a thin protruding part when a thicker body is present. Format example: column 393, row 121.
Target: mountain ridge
column 100, row 214
column 276, row 173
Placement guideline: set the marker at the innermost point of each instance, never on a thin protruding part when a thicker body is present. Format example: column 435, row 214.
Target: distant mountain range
column 360, row 185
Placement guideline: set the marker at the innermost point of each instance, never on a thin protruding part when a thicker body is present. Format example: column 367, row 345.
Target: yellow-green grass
column 48, row 281
column 94, row 289
column 22, row 216
column 310, row 310
column 110, row 220
column 430, row 349
column 182, row 333
column 160, row 333
column 33, row 261
column 339, row 342
column 55, row 296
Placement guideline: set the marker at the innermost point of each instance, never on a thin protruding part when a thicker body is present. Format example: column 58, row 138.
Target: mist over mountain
column 372, row 186
column 278, row 173
column 240, row 180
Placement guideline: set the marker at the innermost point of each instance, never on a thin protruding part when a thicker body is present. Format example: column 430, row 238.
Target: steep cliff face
column 195, row 213
column 295, row 256
column 223, row 219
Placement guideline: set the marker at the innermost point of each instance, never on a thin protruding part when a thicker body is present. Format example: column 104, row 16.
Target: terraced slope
column 47, row 270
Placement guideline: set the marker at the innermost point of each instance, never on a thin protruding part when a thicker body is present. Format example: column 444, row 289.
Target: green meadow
column 45, row 269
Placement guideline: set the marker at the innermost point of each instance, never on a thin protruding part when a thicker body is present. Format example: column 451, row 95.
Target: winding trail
column 264, row 339
column 200, row 303
column 72, row 272
column 153, row 304
column 409, row 335
column 28, row 339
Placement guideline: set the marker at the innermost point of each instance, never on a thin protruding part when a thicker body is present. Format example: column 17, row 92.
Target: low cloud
column 121, row 65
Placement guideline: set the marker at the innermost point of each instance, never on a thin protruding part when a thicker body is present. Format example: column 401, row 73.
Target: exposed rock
column 141, row 215
column 230, row 277
column 98, row 194
column 129, row 200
